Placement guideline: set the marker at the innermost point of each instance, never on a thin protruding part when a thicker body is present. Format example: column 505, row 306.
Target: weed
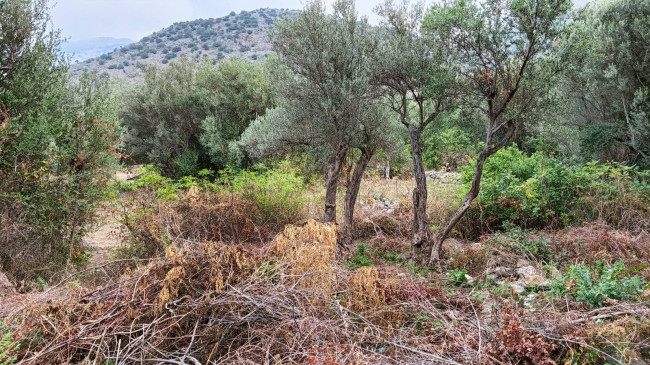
column 359, row 258
column 417, row 270
column 599, row 282
column 457, row 277
column 8, row 348
column 519, row 242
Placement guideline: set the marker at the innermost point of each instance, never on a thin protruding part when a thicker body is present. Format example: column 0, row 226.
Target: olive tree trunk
column 351, row 195
column 334, row 167
column 421, row 230
column 475, row 189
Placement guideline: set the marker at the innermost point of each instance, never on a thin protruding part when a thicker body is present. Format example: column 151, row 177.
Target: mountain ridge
column 244, row 35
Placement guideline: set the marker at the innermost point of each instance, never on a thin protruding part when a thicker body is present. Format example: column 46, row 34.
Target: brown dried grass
column 308, row 253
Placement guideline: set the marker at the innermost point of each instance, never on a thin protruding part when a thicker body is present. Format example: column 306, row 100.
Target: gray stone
column 518, row 287
column 530, row 300
column 535, row 280
column 527, row 271
column 5, row 285
column 469, row 279
column 501, row 271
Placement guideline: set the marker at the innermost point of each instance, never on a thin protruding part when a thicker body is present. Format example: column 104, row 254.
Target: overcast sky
column 134, row 19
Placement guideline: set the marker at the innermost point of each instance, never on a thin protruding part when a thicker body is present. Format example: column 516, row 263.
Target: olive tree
column 606, row 54
column 322, row 82
column 498, row 45
column 419, row 87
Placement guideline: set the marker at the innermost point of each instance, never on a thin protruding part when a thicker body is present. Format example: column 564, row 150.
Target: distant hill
column 89, row 48
column 244, row 34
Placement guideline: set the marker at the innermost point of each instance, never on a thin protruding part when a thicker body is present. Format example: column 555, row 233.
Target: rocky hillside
column 244, row 34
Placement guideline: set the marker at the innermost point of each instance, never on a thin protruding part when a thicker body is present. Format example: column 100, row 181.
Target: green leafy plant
column 8, row 348
column 520, row 242
column 599, row 282
column 457, row 277
column 277, row 192
column 359, row 259
column 542, row 189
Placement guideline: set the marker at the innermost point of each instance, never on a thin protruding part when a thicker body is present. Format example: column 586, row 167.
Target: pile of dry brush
column 217, row 298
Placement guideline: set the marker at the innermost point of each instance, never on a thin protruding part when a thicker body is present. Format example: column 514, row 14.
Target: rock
column 5, row 285
column 531, row 276
column 523, row 263
column 469, row 279
column 527, row 271
column 442, row 175
column 518, row 287
column 501, row 271
column 530, row 300
column 535, row 280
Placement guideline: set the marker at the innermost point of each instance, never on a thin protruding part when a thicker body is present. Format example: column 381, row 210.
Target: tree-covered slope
column 244, row 34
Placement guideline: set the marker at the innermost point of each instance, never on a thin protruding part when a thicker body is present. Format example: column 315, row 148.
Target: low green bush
column 360, row 257
column 543, row 190
column 596, row 283
column 277, row 192
column 523, row 243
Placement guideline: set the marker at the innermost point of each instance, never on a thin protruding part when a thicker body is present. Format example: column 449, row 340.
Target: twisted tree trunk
column 351, row 195
column 488, row 150
column 334, row 167
column 467, row 202
column 421, row 230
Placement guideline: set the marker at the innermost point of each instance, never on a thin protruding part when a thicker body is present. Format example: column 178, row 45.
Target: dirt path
column 105, row 238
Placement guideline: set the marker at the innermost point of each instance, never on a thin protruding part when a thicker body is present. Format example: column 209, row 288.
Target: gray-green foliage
column 606, row 63
column 188, row 115
column 243, row 94
column 321, row 75
column 596, row 283
column 322, row 80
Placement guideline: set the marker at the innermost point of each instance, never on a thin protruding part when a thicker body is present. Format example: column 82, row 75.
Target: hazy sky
column 134, row 19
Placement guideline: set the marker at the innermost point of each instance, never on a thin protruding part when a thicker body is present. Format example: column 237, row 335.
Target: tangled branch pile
column 289, row 302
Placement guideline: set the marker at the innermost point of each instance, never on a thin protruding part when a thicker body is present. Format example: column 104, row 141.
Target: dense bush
column 541, row 190
column 55, row 165
column 188, row 115
column 450, row 148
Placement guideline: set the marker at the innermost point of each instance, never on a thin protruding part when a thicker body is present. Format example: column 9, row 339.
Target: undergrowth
column 595, row 284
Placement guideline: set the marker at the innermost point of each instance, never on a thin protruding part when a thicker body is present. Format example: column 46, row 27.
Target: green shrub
column 599, row 282
column 56, row 157
column 8, row 348
column 450, row 148
column 544, row 190
column 359, row 259
column 277, row 192
column 457, row 277
column 520, row 242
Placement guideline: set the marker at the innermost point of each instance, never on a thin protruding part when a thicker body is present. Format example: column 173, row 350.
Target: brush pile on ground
column 216, row 303
column 289, row 302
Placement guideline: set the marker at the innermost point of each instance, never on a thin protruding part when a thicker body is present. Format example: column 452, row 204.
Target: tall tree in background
column 323, row 82
column 189, row 115
column 607, row 62
column 497, row 44
column 419, row 87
